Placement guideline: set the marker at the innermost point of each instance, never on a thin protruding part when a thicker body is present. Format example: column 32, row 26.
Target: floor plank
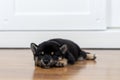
column 18, row 64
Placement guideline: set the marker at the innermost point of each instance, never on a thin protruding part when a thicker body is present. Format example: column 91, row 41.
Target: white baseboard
column 86, row 39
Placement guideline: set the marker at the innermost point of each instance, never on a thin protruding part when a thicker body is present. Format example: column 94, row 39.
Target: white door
column 26, row 21
column 52, row 15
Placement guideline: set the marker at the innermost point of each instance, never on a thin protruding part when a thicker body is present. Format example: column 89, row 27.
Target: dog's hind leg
column 90, row 56
column 87, row 56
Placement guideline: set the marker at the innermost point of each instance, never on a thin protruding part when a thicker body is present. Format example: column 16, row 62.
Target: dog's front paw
column 61, row 63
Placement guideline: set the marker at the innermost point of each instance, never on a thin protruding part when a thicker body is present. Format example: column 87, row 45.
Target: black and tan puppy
column 58, row 53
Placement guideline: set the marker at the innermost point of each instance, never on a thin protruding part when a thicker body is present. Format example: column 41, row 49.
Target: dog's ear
column 34, row 48
column 64, row 48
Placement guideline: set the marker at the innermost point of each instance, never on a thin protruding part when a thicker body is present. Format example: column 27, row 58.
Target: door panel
column 51, row 6
column 115, row 14
column 52, row 15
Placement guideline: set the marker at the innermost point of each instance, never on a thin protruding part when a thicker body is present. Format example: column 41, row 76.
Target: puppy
column 58, row 53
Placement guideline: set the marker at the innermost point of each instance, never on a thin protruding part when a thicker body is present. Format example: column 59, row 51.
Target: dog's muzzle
column 46, row 62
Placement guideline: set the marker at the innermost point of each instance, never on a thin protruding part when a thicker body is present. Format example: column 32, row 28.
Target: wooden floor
column 18, row 64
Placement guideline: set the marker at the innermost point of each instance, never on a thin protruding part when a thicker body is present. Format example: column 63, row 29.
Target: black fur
column 47, row 53
column 73, row 53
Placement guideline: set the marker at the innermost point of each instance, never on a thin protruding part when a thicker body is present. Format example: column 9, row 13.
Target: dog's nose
column 46, row 61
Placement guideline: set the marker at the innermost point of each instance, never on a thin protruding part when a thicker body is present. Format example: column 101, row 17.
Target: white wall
column 85, row 39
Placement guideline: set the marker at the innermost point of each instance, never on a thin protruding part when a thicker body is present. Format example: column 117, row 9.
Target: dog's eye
column 59, row 58
column 42, row 53
column 52, row 53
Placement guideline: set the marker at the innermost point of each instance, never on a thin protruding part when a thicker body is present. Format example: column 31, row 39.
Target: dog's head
column 48, row 53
